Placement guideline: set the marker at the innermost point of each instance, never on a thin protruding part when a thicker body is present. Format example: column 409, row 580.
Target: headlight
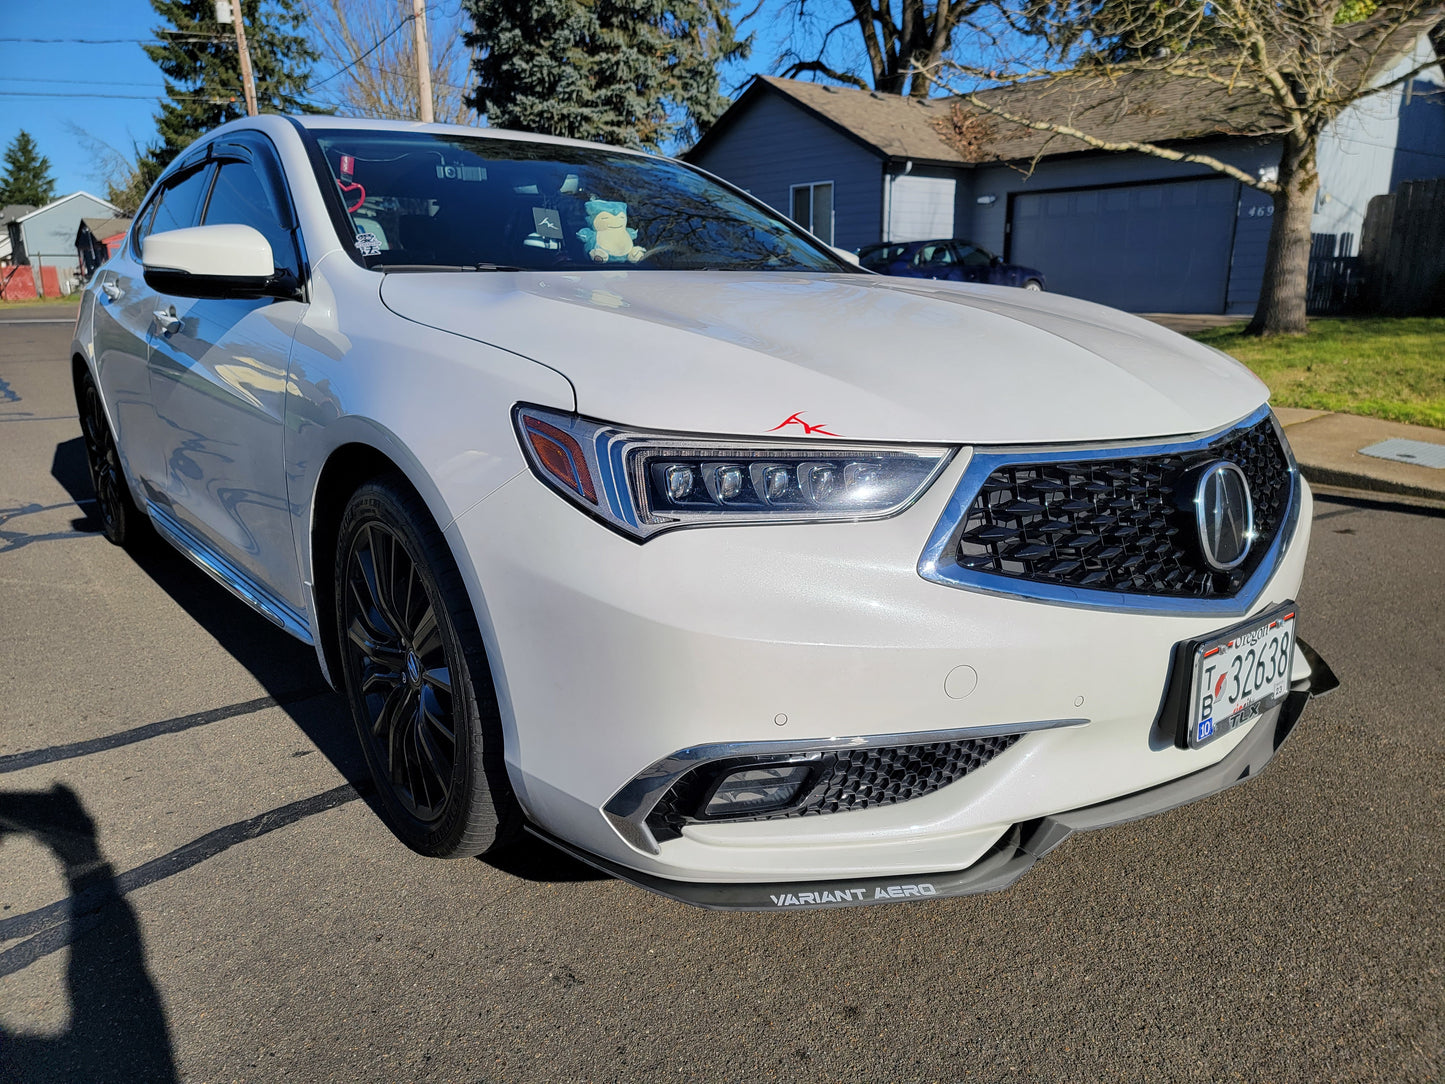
column 642, row 482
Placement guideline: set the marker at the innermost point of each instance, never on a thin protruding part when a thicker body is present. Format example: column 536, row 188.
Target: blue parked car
column 953, row 259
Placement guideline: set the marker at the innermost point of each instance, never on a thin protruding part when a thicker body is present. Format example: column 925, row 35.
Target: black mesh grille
column 1122, row 524
column 851, row 779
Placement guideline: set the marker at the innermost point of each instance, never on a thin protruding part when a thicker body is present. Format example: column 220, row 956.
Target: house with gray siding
column 45, row 238
column 1124, row 229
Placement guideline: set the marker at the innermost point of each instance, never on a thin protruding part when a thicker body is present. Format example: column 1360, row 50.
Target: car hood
column 856, row 356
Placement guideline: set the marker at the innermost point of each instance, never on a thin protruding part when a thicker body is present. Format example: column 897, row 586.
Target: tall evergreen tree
column 27, row 176
column 199, row 59
column 640, row 73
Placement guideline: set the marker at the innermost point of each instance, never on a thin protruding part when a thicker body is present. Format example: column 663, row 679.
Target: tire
column 121, row 521
column 1035, row 285
column 417, row 680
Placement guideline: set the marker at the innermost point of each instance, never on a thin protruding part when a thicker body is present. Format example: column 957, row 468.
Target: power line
column 72, row 82
column 362, row 57
column 119, row 41
column 409, row 75
column 136, row 97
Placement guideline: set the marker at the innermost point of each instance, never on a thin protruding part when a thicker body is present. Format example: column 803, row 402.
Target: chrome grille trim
column 937, row 566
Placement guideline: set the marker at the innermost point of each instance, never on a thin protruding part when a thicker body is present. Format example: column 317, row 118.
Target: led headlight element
column 648, row 482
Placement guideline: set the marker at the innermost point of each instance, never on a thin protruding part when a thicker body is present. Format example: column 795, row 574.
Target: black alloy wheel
column 120, row 520
column 417, row 679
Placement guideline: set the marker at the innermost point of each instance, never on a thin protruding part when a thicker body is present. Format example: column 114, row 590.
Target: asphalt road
column 191, row 889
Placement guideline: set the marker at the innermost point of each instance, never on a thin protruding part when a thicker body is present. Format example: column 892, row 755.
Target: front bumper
column 1021, row 846
column 610, row 658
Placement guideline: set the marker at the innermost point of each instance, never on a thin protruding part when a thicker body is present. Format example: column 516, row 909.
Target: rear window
column 878, row 257
column 423, row 201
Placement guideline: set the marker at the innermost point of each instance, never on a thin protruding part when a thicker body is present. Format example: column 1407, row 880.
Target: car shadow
column 69, row 468
column 534, row 859
column 287, row 670
column 118, row 1029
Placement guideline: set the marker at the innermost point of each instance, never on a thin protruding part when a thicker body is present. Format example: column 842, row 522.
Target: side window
column 241, row 197
column 178, row 205
column 934, row 255
column 973, row 256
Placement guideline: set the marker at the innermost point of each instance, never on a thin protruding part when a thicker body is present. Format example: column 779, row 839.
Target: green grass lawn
column 15, row 303
column 1391, row 369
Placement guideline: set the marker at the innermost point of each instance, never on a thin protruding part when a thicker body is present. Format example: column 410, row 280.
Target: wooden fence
column 1402, row 251
column 1336, row 287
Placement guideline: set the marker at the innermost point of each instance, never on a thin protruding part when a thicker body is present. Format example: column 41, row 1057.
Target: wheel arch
column 82, row 369
column 362, row 456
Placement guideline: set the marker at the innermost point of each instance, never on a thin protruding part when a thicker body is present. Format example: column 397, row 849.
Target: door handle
column 167, row 320
column 111, row 290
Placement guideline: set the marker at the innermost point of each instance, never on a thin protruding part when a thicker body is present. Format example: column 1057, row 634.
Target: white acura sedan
column 629, row 516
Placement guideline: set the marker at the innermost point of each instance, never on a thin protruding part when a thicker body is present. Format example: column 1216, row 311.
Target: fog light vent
column 757, row 790
column 805, row 784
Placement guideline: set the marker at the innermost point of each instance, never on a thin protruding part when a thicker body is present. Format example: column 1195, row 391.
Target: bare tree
column 373, row 41
column 1289, row 66
column 904, row 42
column 124, row 176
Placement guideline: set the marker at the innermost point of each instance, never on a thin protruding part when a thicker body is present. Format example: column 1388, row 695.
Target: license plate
column 1240, row 674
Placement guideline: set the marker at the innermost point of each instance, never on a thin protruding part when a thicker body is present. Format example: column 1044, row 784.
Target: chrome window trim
column 984, row 461
column 627, row 810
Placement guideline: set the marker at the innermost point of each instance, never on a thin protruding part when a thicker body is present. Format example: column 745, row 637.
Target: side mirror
column 215, row 262
column 844, row 254
column 995, row 261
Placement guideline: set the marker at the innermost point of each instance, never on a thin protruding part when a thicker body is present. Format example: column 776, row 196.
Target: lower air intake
column 841, row 781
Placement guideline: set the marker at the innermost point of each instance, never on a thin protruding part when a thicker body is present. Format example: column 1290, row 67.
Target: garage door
column 1144, row 248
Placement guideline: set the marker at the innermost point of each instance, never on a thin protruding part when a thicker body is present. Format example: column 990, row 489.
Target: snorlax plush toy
column 607, row 238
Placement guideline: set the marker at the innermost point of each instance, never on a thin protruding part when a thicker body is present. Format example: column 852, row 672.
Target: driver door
column 218, row 381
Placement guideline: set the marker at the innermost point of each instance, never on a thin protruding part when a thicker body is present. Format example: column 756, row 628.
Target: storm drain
column 1408, row 451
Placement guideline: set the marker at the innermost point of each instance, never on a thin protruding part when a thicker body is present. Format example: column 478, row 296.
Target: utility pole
column 248, row 81
column 423, row 60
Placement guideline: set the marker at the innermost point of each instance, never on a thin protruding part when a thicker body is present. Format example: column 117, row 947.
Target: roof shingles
column 1132, row 108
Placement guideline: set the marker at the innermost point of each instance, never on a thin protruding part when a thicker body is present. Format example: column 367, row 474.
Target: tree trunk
column 1282, row 294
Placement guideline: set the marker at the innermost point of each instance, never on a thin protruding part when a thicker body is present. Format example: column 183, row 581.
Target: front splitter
column 1013, row 855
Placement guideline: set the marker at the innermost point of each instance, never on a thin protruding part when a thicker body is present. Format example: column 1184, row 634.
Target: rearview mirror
column 214, row 262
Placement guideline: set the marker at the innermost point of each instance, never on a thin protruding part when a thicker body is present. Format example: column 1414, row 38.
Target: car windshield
column 429, row 201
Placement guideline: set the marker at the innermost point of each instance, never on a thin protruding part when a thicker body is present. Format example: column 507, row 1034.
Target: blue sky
column 60, row 91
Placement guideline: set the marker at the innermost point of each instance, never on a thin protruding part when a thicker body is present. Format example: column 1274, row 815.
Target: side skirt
column 228, row 575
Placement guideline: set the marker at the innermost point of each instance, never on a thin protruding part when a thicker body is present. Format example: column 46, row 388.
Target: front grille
column 844, row 780
column 1121, row 524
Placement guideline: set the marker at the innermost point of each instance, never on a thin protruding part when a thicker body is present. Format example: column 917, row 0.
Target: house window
column 813, row 209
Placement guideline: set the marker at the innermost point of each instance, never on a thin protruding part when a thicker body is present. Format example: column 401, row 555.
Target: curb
column 1327, row 447
column 1361, row 487
column 1358, row 480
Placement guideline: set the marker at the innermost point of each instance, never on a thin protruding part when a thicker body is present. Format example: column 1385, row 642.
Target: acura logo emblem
column 1224, row 512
